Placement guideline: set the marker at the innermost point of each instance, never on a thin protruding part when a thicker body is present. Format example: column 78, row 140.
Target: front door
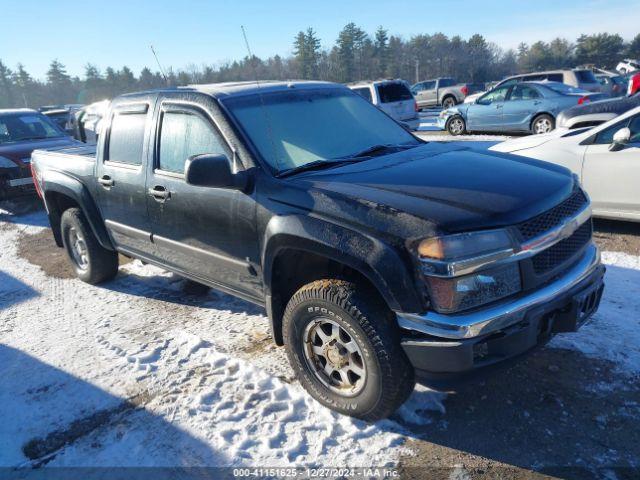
column 121, row 176
column 486, row 112
column 612, row 178
column 208, row 233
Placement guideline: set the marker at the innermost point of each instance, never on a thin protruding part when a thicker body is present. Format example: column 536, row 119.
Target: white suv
column 393, row 97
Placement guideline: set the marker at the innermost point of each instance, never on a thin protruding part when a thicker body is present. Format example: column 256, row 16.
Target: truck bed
column 78, row 162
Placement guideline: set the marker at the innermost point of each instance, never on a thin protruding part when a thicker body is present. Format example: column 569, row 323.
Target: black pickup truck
column 379, row 258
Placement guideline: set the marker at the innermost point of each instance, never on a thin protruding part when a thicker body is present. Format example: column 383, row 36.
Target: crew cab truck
column 380, row 259
column 444, row 92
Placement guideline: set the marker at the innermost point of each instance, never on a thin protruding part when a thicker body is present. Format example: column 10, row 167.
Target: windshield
column 27, row 126
column 298, row 126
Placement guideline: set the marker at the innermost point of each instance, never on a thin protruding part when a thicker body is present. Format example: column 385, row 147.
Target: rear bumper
column 453, row 347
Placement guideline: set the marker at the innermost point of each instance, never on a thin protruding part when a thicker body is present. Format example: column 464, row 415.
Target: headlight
column 461, row 272
column 6, row 163
column 454, row 294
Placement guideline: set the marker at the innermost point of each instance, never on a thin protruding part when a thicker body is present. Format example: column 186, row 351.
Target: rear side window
column 533, row 78
column 555, row 77
column 393, row 92
column 126, row 138
column 182, row 135
column 585, row 76
column 523, row 92
column 363, row 92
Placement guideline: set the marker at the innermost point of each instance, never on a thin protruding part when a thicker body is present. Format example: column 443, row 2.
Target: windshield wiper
column 367, row 152
column 316, row 165
column 38, row 137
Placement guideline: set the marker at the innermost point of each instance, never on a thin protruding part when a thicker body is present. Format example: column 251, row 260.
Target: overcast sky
column 118, row 32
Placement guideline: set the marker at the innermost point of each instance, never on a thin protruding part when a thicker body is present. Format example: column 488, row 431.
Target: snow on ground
column 204, row 383
column 614, row 331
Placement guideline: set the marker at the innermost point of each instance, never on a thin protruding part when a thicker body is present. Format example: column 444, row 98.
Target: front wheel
column 344, row 348
column 91, row 261
column 542, row 124
column 456, row 126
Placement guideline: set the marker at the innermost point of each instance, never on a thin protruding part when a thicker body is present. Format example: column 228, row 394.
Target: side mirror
column 620, row 139
column 212, row 170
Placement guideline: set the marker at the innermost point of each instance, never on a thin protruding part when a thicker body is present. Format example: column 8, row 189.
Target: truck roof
column 229, row 89
column 9, row 111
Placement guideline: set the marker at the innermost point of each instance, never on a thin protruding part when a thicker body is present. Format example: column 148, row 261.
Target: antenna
column 159, row 66
column 264, row 110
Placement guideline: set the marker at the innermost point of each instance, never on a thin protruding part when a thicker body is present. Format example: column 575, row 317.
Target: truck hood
column 435, row 188
column 19, row 151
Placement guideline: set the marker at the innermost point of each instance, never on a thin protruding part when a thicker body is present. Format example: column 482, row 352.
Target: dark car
column 378, row 258
column 595, row 113
column 22, row 131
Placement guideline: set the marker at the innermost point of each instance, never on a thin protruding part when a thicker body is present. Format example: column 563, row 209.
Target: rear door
column 396, row 100
column 486, row 113
column 612, row 178
column 121, row 175
column 207, row 233
column 520, row 106
column 428, row 97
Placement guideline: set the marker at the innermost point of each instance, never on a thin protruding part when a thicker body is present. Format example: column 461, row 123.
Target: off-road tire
column 364, row 316
column 102, row 264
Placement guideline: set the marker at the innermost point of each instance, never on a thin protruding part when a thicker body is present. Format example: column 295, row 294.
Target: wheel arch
column 537, row 114
column 62, row 192
column 299, row 250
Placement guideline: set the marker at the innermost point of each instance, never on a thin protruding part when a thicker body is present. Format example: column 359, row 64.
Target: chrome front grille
column 554, row 217
column 562, row 251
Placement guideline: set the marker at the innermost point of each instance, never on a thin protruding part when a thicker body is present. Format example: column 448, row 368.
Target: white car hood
column 530, row 141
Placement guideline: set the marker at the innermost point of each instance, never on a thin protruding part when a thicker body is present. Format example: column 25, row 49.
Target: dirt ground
column 557, row 407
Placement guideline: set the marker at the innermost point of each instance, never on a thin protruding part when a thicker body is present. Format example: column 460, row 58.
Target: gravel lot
column 140, row 372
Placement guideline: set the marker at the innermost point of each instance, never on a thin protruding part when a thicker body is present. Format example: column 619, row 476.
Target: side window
column 182, row 135
column 497, row 95
column 430, row 85
column 555, row 77
column 126, row 138
column 605, row 137
column 523, row 92
column 634, row 126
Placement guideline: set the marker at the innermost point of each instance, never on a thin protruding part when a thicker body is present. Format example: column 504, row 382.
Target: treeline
column 355, row 55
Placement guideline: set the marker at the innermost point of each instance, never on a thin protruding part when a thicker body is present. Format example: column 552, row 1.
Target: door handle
column 159, row 193
column 106, row 181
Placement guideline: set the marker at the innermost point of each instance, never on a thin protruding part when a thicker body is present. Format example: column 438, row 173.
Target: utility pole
column 417, row 70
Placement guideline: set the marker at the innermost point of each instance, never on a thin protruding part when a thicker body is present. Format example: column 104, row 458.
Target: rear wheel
column 344, row 347
column 542, row 124
column 456, row 125
column 449, row 102
column 91, row 261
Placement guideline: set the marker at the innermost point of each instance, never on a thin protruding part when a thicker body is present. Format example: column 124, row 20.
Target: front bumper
column 441, row 346
column 442, row 122
column 15, row 181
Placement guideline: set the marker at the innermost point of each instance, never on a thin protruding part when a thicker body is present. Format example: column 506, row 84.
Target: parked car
column 88, row 121
column 372, row 272
column 578, row 77
column 612, row 85
column 445, row 92
column 628, row 65
column 596, row 113
column 62, row 118
column 393, row 97
column 21, row 131
column 521, row 107
column 606, row 158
